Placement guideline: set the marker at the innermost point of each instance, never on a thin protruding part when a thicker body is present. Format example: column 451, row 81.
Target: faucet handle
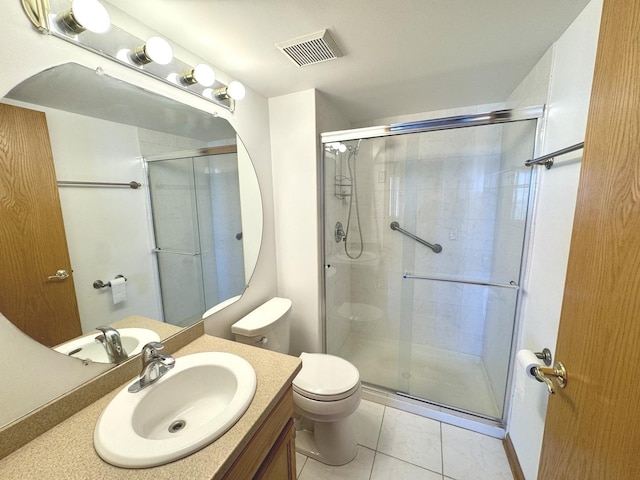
column 150, row 350
column 110, row 340
column 154, row 366
column 106, row 328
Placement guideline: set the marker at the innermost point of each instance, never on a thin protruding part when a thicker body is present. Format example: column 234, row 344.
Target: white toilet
column 325, row 392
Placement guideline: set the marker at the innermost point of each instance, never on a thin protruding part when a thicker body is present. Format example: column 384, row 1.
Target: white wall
column 102, row 241
column 293, row 137
column 296, row 122
column 573, row 60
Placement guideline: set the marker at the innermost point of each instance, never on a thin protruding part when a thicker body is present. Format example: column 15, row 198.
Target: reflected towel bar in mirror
column 70, row 183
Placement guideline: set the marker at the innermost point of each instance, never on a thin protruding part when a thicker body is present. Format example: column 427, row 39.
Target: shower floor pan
column 444, row 377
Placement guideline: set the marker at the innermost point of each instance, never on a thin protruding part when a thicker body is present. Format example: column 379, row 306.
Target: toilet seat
column 326, row 378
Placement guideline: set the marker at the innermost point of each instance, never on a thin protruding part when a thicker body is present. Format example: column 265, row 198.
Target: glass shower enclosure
column 424, row 233
column 198, row 232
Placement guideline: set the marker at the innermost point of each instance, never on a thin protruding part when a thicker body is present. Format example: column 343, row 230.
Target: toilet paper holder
column 98, row 284
column 545, row 356
column 557, row 372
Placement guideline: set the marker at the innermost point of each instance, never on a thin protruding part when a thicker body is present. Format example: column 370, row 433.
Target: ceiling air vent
column 309, row 49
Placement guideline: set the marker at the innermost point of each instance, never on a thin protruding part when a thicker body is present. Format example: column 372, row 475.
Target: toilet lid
column 326, row 377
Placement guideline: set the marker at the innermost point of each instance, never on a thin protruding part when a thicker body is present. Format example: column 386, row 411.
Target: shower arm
column 436, row 248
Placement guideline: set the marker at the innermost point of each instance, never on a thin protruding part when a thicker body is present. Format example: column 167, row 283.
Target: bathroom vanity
column 259, row 445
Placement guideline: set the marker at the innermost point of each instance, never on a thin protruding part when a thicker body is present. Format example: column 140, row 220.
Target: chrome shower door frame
column 390, row 397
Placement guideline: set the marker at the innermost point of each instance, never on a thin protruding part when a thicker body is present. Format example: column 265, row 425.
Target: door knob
column 60, row 275
column 557, row 372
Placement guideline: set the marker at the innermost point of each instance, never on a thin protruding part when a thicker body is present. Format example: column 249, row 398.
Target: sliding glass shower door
column 424, row 236
column 198, row 233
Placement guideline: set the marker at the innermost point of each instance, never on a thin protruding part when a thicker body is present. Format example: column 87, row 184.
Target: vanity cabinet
column 270, row 454
column 281, row 461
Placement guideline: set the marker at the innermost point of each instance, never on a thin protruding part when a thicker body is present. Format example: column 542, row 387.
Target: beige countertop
column 66, row 451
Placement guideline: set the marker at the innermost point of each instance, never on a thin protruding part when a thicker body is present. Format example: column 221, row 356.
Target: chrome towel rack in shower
column 436, row 248
column 547, row 160
column 71, row 183
column 512, row 284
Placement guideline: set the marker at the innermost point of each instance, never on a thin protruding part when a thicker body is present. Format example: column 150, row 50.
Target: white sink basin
column 192, row 405
column 132, row 339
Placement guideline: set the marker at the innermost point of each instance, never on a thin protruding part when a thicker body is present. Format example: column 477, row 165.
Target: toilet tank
column 267, row 326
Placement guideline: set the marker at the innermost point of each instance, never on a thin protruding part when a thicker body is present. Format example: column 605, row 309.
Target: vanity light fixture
column 67, row 19
column 202, row 74
column 155, row 49
column 235, row 90
column 84, row 15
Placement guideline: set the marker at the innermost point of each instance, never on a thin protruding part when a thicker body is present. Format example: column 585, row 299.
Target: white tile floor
column 396, row 445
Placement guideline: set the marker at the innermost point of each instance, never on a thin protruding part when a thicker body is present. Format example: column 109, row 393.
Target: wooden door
column 592, row 427
column 33, row 245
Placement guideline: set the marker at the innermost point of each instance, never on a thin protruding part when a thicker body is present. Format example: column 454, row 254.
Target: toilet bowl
column 326, row 392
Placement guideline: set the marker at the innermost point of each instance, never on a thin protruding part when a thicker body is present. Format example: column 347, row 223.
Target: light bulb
column 204, row 75
column 155, row 49
column 159, row 50
column 123, row 55
column 236, row 90
column 85, row 15
column 342, row 148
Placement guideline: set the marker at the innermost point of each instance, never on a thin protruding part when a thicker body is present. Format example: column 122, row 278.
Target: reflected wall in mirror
column 100, row 130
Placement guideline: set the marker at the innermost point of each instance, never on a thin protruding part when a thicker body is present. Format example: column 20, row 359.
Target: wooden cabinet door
column 592, row 428
column 33, row 245
column 280, row 464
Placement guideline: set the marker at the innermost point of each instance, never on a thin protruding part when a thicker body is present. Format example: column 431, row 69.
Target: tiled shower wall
column 337, row 270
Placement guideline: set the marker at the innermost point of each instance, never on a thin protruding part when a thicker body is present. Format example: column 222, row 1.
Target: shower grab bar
column 511, row 284
column 72, row 183
column 548, row 159
column 436, row 248
column 175, row 252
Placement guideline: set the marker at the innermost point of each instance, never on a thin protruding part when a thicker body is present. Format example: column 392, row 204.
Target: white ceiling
column 400, row 57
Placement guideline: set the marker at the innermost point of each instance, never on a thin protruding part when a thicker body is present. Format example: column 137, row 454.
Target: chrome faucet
column 154, row 366
column 110, row 340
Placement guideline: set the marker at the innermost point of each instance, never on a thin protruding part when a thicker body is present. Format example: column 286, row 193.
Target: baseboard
column 513, row 458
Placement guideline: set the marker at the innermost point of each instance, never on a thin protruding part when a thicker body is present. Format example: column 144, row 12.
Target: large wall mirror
column 183, row 242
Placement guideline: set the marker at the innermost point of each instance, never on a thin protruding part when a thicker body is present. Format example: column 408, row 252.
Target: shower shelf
column 342, row 186
column 511, row 284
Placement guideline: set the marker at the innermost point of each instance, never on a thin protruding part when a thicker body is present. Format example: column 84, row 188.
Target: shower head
column 354, row 150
